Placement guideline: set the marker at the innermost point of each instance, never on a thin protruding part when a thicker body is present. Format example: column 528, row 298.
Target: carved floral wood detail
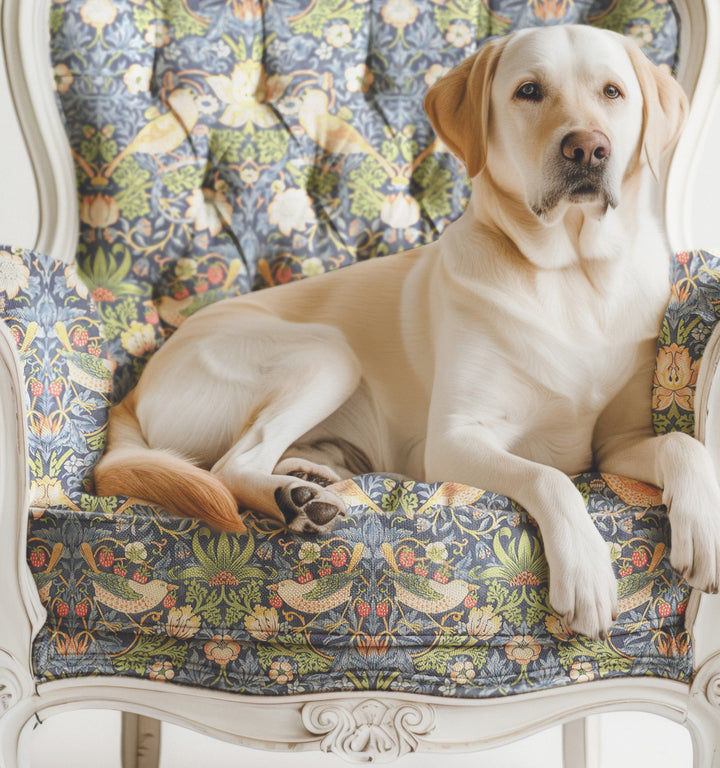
column 372, row 731
column 10, row 687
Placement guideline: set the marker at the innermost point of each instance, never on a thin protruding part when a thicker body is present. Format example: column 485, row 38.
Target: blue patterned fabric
column 433, row 588
column 229, row 145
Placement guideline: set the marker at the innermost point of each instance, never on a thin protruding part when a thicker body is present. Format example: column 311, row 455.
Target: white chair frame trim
column 360, row 727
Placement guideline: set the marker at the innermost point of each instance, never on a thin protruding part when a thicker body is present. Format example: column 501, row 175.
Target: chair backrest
column 220, row 147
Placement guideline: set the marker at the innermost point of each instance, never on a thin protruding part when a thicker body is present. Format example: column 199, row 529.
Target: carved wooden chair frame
column 357, row 726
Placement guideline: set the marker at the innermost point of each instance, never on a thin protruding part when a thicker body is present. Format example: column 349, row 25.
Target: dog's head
column 558, row 116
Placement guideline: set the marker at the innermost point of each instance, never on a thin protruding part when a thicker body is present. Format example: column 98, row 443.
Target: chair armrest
column 682, row 371
column 64, row 374
column 686, row 394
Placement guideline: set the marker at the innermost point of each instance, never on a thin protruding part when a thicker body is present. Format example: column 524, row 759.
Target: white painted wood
column 19, row 210
column 699, row 74
column 25, row 33
column 360, row 727
column 431, row 724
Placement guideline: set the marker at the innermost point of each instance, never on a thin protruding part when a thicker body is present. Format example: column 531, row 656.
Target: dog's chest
column 549, row 359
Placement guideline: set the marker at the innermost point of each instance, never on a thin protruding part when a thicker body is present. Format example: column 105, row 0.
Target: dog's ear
column 458, row 105
column 665, row 106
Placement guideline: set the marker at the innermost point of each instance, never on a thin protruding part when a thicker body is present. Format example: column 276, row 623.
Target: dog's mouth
column 576, row 186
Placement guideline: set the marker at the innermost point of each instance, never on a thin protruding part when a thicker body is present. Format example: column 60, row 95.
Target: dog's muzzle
column 580, row 173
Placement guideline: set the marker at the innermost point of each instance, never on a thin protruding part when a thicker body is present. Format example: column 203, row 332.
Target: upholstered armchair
column 190, row 150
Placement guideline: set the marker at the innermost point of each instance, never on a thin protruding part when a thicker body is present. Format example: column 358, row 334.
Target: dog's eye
column 612, row 91
column 529, row 91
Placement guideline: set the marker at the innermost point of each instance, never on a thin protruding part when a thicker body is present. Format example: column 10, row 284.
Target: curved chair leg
column 140, row 741
column 581, row 743
column 704, row 726
column 14, row 728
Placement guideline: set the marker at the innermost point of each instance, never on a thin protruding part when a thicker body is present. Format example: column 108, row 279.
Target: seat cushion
column 439, row 589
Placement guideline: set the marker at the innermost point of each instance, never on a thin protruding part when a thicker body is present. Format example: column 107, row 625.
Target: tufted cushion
column 222, row 147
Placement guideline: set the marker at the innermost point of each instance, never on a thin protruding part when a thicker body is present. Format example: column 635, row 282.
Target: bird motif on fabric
column 44, row 578
column 633, row 492
column 94, row 373
column 334, row 134
column 164, row 133
column 120, row 593
column 353, row 495
column 451, row 494
column 420, row 593
column 323, row 594
column 636, row 588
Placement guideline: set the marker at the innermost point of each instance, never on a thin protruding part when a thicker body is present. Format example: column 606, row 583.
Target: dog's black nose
column 589, row 148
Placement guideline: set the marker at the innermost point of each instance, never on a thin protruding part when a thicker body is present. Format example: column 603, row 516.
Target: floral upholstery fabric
column 223, row 146
column 228, row 145
column 438, row 588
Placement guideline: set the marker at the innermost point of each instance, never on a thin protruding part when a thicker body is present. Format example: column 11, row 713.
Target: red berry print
column 55, row 388
column 441, row 577
column 93, row 350
column 639, row 558
column 681, row 609
column 169, row 601
column 304, row 578
column 470, row 602
column 80, row 337
column 118, row 570
column 81, row 610
column 325, row 571
column 683, row 257
column 140, row 577
column 37, row 558
column 626, row 571
column 406, row 558
column 106, row 557
column 215, row 274
column 338, row 558
column 363, row 609
column 62, row 610
column 420, row 570
column 664, row 610
column 276, row 601
column 37, row 388
column 382, row 609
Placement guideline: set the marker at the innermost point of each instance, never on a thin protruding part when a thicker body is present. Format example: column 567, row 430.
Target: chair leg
column 140, row 741
column 581, row 743
column 14, row 741
column 705, row 731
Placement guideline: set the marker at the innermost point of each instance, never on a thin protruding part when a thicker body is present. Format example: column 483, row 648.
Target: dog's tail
column 130, row 467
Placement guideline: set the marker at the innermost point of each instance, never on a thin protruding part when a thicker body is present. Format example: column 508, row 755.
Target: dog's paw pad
column 321, row 513
column 308, row 509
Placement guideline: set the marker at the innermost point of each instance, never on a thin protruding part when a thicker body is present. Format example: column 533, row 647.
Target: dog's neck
column 578, row 235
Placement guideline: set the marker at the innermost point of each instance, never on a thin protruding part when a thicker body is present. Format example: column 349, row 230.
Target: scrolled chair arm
column 686, row 398
column 54, row 388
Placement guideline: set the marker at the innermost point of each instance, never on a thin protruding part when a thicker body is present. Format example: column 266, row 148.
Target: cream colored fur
column 515, row 350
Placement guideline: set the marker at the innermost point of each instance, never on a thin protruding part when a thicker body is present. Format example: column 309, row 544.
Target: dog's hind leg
column 329, row 374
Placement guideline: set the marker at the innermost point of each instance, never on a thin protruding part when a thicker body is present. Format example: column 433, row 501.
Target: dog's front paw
column 583, row 587
column 308, row 508
column 695, row 535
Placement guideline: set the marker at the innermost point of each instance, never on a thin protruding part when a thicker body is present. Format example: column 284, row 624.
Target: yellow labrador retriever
column 515, row 350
